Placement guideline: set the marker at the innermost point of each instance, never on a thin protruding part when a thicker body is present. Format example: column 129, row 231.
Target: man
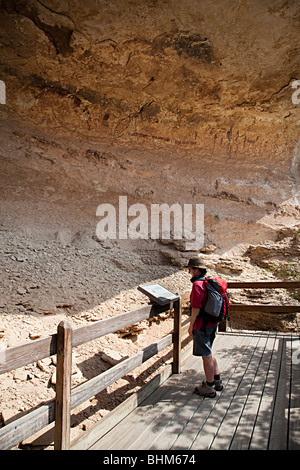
column 203, row 332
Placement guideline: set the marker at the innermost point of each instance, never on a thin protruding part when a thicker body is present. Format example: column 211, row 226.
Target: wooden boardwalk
column 259, row 407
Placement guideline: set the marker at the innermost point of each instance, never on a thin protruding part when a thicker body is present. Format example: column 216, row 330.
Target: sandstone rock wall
column 170, row 101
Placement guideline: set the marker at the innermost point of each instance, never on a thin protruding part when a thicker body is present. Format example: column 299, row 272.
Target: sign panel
column 158, row 294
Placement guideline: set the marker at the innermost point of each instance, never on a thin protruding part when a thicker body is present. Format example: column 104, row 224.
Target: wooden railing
column 59, row 409
column 271, row 308
column 256, row 307
column 66, row 338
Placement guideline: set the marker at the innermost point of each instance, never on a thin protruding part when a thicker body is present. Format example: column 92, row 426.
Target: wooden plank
column 279, row 424
column 226, row 430
column 236, row 345
column 155, row 433
column 176, row 422
column 294, row 414
column 17, row 356
column 264, row 308
column 179, row 417
column 264, row 285
column 261, row 430
column 242, row 436
column 186, row 354
column 86, row 333
column 177, row 337
column 63, row 387
column 26, row 353
column 95, row 385
column 18, row 430
column 96, row 432
column 135, row 425
column 215, row 418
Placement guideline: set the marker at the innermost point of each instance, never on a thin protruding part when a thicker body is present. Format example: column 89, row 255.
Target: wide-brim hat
column 196, row 262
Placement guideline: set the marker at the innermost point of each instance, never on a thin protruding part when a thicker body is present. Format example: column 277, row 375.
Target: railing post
column 63, row 387
column 177, row 337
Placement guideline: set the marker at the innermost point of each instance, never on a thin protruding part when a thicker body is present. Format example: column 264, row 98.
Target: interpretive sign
column 158, row 294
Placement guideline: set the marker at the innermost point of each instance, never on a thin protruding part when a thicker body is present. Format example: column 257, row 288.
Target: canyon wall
column 192, row 102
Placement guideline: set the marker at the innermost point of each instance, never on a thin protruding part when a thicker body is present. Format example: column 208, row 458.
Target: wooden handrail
column 17, row 356
column 263, row 284
column 20, row 429
column 268, row 308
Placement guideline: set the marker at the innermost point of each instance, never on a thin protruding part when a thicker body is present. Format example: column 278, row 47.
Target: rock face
column 190, row 102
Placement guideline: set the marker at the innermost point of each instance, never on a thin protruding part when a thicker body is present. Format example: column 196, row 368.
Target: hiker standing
column 203, row 332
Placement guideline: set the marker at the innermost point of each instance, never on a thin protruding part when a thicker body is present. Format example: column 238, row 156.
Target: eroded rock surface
column 187, row 102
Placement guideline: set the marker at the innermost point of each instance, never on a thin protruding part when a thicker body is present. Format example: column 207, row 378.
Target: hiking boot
column 218, row 385
column 205, row 390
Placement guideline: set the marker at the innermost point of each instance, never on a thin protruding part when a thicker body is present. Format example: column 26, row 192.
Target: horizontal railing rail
column 264, row 284
column 17, row 356
column 266, row 307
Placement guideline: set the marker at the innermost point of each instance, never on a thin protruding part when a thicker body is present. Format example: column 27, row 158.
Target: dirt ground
column 82, row 281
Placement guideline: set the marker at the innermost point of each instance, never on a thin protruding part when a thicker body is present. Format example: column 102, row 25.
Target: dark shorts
column 203, row 341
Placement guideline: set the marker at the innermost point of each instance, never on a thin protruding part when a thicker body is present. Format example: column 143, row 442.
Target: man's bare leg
column 210, row 366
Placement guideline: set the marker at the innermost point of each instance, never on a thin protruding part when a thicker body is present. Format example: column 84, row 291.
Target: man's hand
column 190, row 330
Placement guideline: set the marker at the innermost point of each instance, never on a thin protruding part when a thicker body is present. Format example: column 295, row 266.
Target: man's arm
column 194, row 314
